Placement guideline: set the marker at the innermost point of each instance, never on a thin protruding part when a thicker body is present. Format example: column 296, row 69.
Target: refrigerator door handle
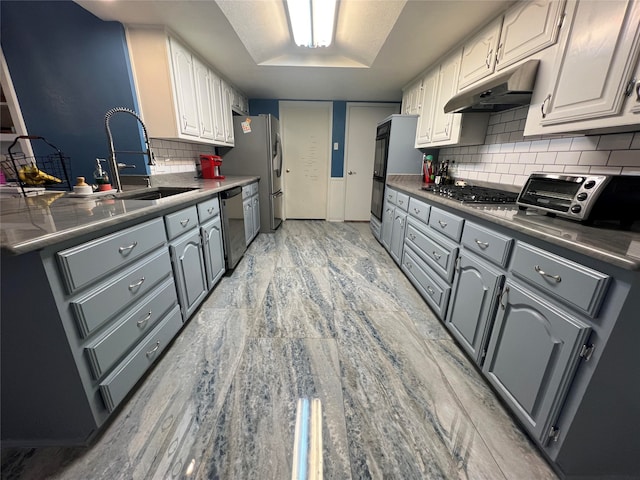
column 277, row 158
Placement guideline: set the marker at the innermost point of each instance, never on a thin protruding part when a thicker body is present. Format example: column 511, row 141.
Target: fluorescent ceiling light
column 312, row 21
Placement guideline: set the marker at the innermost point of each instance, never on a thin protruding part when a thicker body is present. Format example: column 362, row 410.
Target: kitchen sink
column 154, row 193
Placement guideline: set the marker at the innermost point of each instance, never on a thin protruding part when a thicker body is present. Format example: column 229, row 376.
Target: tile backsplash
column 174, row 156
column 507, row 157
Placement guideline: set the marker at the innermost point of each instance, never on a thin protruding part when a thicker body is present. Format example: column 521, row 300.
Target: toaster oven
column 585, row 198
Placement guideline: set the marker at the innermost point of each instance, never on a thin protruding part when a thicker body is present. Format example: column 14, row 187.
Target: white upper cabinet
column 436, row 128
column 525, row 29
column 588, row 84
column 227, row 115
column 411, row 98
column 528, row 27
column 633, row 102
column 204, row 97
column 425, row 110
column 185, row 89
column 479, row 54
column 445, row 125
column 180, row 97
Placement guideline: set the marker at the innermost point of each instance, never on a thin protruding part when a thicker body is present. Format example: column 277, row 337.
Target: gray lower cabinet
column 532, row 356
column 397, row 234
column 189, row 271
column 388, row 212
column 473, row 304
column 432, row 288
column 211, row 233
column 251, row 207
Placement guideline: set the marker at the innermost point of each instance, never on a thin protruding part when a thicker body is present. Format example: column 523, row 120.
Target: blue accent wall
column 69, row 68
column 258, row 106
column 261, row 106
column 338, row 135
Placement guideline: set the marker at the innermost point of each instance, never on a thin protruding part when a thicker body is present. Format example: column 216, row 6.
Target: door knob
column 288, row 170
column 351, row 173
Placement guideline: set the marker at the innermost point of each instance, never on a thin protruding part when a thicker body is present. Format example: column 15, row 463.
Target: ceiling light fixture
column 312, row 22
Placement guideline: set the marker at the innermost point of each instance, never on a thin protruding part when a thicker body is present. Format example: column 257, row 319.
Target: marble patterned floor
column 316, row 310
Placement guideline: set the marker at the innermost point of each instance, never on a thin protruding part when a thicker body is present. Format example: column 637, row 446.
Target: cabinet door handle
column 437, row 256
column 488, row 59
column 504, row 292
column 154, row 349
column 557, row 278
column 629, row 90
column 127, row 248
column 431, row 291
column 442, row 224
column 481, row 244
column 143, row 322
column 498, row 53
column 544, row 114
column 185, row 222
column 137, row 284
column 638, row 91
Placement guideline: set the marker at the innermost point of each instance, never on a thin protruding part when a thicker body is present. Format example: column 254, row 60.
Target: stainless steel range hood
column 503, row 91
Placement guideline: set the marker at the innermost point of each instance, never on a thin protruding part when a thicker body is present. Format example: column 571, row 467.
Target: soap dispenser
column 101, row 177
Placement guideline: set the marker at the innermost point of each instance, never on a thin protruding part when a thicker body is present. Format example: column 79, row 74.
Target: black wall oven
column 380, row 168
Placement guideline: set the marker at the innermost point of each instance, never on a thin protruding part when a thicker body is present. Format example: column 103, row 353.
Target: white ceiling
column 379, row 47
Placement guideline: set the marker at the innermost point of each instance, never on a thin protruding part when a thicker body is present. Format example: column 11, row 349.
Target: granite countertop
column 617, row 247
column 32, row 223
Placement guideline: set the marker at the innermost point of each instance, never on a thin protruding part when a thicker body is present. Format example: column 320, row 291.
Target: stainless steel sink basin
column 154, row 193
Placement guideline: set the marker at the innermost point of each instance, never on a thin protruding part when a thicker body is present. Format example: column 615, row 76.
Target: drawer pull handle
column 557, row 278
column 126, row 249
column 504, row 292
column 437, row 256
column 400, row 202
column 481, row 244
column 210, row 210
column 408, row 265
column 412, row 236
column 417, row 210
column 154, row 349
column 137, row 284
column 185, row 222
column 431, row 291
column 442, row 224
column 143, row 322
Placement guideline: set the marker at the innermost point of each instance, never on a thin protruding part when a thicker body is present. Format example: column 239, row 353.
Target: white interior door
column 360, row 139
column 306, row 154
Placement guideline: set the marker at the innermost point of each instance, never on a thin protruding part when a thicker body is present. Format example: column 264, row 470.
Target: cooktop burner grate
column 472, row 194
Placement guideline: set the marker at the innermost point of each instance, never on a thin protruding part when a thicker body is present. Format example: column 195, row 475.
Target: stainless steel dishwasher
column 233, row 226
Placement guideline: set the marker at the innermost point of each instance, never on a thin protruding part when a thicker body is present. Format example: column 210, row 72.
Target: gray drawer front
column 402, row 201
column 101, row 304
column 208, row 209
column 182, row 221
column 446, row 223
column 110, row 347
column 441, row 256
column 419, row 210
column 85, row 263
column 433, row 290
column 254, row 188
column 390, row 195
column 578, row 286
column 488, row 244
column 246, row 191
column 116, row 386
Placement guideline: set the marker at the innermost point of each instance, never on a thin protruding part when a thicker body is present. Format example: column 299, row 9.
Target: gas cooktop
column 472, row 193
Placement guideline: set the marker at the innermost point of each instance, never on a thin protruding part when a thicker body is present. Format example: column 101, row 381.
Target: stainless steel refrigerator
column 258, row 151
